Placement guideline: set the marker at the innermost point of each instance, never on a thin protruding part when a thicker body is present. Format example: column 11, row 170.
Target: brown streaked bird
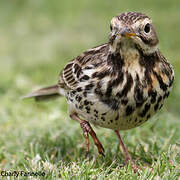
column 118, row 85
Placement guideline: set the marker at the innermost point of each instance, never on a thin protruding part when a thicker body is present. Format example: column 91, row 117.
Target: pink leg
column 87, row 129
column 126, row 153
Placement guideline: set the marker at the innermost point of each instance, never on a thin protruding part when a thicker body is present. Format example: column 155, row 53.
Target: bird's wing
column 73, row 73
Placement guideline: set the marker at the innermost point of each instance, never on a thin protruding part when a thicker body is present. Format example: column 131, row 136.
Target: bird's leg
column 126, row 153
column 86, row 136
column 87, row 129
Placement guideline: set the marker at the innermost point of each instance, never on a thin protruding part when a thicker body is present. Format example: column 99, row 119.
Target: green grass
column 37, row 38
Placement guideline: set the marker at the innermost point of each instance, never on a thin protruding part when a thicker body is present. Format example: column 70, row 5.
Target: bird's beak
column 126, row 32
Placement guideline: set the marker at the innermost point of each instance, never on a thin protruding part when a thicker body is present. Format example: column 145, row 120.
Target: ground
column 37, row 38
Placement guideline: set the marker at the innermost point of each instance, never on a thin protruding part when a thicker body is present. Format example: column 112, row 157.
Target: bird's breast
column 124, row 95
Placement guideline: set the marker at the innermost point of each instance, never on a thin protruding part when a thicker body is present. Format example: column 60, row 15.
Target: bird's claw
column 87, row 129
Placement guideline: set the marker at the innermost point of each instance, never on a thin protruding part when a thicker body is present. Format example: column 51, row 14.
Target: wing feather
column 73, row 72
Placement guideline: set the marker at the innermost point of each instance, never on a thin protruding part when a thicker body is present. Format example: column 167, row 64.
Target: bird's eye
column 110, row 27
column 147, row 28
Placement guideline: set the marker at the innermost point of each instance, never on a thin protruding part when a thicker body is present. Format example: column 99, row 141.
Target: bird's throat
column 127, row 50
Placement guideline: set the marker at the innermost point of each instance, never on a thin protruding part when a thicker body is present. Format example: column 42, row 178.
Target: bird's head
column 136, row 29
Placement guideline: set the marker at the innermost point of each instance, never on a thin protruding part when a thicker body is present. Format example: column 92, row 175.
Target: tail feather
column 44, row 93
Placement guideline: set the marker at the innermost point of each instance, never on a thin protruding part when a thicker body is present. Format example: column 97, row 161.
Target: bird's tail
column 44, row 93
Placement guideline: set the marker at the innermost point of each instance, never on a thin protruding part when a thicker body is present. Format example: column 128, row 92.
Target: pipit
column 118, row 85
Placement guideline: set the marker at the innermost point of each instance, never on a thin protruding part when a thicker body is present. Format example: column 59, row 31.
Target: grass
column 37, row 38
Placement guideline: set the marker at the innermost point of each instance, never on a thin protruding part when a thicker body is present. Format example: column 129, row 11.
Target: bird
column 118, row 85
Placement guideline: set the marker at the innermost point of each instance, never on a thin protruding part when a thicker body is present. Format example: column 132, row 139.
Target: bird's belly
column 119, row 114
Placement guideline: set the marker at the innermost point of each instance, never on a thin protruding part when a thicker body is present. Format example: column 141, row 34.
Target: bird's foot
column 134, row 166
column 87, row 129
